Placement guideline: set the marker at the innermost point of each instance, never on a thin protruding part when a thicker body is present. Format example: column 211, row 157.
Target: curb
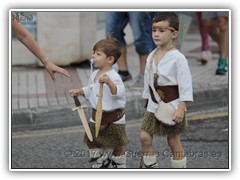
column 62, row 116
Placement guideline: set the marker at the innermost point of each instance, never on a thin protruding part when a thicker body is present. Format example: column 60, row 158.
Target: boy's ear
column 175, row 34
column 111, row 59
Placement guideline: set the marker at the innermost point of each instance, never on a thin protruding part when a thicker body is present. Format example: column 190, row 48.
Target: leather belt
column 167, row 93
column 109, row 116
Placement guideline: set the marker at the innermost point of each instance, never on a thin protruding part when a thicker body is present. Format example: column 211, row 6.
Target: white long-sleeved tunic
column 109, row 102
column 172, row 69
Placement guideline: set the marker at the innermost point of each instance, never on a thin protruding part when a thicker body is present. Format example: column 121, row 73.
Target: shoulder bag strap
column 151, row 80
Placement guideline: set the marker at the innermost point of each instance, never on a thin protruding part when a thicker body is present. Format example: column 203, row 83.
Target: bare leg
column 204, row 34
column 146, row 141
column 222, row 63
column 143, row 60
column 149, row 158
column 122, row 61
column 205, row 48
column 176, row 147
column 223, row 26
column 178, row 160
column 123, row 67
column 118, row 152
column 212, row 29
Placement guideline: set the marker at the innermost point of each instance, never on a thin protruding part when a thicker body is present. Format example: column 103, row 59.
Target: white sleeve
column 184, row 79
column 120, row 88
column 87, row 90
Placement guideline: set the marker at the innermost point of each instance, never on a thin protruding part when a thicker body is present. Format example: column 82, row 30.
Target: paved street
column 206, row 145
column 47, row 134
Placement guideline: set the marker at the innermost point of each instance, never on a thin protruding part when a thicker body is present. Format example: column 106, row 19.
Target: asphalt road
column 206, row 145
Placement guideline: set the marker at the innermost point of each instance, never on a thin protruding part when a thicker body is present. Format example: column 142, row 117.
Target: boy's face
column 162, row 33
column 100, row 58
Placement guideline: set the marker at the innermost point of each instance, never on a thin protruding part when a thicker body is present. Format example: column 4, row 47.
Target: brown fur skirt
column 110, row 136
column 154, row 127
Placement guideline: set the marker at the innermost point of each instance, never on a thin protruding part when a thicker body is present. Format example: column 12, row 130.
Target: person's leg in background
column 216, row 24
column 185, row 19
column 115, row 24
column 206, row 54
column 142, row 32
column 223, row 28
column 210, row 23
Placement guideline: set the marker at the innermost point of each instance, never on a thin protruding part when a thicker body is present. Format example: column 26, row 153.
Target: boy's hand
column 180, row 112
column 105, row 79
column 75, row 92
column 178, row 116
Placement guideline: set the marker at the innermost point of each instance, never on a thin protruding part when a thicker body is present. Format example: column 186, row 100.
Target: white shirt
column 172, row 69
column 109, row 102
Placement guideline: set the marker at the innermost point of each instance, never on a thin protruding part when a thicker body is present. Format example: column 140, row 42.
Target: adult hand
column 52, row 68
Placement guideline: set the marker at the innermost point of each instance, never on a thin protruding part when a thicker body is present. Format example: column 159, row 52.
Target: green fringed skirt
column 154, row 127
column 110, row 136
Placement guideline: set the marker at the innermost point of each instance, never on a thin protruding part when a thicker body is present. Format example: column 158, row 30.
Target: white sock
column 99, row 158
column 182, row 163
column 119, row 161
column 150, row 161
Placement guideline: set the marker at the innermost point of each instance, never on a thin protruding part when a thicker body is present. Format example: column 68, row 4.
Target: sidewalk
column 39, row 103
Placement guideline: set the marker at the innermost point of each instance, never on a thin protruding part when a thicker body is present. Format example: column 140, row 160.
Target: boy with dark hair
column 112, row 134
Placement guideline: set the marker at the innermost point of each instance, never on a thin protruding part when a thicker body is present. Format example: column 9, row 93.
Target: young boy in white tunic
column 112, row 134
column 174, row 86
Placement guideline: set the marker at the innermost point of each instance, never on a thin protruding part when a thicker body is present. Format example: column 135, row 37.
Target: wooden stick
column 98, row 116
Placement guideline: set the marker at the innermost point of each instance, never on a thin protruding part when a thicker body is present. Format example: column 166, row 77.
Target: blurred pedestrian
column 216, row 24
column 25, row 37
column 140, row 23
column 185, row 20
column 206, row 54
